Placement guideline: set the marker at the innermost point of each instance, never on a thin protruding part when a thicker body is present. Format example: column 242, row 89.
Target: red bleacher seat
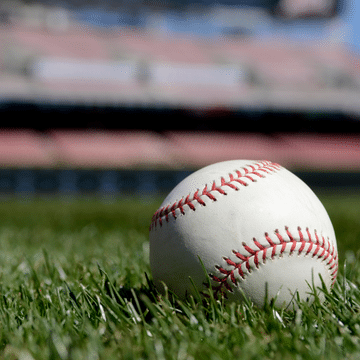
column 199, row 149
column 105, row 149
column 23, row 148
column 322, row 152
column 175, row 50
column 75, row 43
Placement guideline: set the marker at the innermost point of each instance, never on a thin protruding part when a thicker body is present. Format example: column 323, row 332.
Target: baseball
column 254, row 227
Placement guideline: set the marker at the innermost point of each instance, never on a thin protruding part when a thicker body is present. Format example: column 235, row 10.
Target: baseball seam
column 238, row 178
column 317, row 246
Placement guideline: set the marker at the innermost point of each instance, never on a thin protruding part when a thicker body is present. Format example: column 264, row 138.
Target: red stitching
column 208, row 194
column 250, row 173
column 243, row 267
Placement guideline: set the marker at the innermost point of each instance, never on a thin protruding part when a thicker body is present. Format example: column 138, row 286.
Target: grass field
column 75, row 284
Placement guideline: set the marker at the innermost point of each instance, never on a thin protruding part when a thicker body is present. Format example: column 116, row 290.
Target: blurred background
column 129, row 96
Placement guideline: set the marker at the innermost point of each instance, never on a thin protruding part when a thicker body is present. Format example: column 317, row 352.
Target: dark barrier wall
column 128, row 182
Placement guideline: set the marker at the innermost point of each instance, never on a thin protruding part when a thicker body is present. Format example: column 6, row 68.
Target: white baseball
column 258, row 229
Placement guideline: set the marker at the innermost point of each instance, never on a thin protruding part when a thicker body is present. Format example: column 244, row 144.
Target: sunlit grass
column 75, row 283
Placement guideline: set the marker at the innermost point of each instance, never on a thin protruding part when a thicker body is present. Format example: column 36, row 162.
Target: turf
column 75, row 284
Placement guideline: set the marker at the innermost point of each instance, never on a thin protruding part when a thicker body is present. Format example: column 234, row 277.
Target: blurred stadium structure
column 116, row 95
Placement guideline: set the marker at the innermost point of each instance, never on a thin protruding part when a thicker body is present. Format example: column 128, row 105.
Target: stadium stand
column 136, row 57
column 96, row 149
column 23, row 148
column 108, row 162
column 76, row 43
column 322, row 152
column 117, row 99
column 173, row 150
column 198, row 149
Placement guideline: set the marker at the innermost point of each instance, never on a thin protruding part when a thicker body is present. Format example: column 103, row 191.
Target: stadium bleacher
column 89, row 96
column 19, row 148
column 109, row 162
column 97, row 149
column 47, row 61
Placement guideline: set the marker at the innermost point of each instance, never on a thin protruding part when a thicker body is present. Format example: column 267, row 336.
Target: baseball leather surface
column 258, row 229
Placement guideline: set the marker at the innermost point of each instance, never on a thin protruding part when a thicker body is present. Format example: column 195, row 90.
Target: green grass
column 75, row 283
